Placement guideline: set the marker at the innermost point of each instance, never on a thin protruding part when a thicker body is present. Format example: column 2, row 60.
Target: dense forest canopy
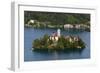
column 56, row 18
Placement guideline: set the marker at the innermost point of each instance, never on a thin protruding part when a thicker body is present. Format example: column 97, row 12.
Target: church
column 55, row 35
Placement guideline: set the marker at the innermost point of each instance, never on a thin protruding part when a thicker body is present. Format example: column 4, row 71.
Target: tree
column 36, row 43
column 56, row 18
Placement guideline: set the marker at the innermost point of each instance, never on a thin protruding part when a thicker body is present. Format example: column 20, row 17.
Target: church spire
column 58, row 32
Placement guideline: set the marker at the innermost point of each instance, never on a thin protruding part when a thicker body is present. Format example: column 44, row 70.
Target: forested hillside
column 57, row 18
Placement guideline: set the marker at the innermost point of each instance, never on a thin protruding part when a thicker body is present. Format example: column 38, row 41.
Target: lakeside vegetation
column 64, row 43
column 56, row 20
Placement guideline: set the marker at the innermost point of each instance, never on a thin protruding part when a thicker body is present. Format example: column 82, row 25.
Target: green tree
column 36, row 43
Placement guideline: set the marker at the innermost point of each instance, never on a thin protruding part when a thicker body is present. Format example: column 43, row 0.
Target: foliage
column 62, row 44
column 56, row 18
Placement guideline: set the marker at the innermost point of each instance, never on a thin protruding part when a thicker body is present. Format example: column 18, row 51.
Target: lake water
column 30, row 34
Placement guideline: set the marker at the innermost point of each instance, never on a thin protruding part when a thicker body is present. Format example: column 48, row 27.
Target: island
column 58, row 42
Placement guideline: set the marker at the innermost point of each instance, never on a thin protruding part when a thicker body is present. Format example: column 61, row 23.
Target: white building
column 68, row 26
column 31, row 21
column 55, row 36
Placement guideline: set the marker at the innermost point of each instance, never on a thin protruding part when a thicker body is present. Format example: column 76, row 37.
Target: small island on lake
column 58, row 42
column 61, row 35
